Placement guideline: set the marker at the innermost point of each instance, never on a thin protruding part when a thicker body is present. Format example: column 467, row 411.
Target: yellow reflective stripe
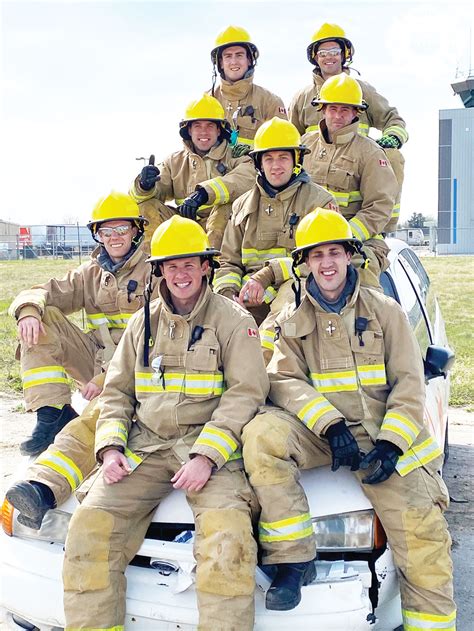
column 237, row 455
column 220, row 191
column 218, row 440
column 286, row 266
column 398, row 131
column 400, row 425
column 43, row 374
column 418, row 621
column 314, row 410
column 63, row 465
column 342, row 198
column 343, row 381
column 132, row 459
column 246, row 141
column 112, row 431
column 418, row 455
column 267, row 339
column 113, row 321
column 354, row 196
column 396, row 211
column 312, row 128
column 358, row 229
column 363, row 129
column 231, row 279
column 289, row 529
column 252, row 255
column 372, row 374
column 190, row 384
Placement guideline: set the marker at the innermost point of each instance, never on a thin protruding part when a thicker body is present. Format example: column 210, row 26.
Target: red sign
column 25, row 236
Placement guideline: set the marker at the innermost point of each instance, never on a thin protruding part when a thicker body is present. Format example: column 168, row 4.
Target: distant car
column 356, row 584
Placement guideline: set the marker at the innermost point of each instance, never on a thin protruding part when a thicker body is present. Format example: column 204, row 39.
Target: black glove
column 149, row 177
column 344, row 447
column 192, row 203
column 385, row 456
column 389, row 142
column 240, row 149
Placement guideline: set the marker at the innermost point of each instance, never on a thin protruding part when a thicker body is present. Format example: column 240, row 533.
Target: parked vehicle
column 356, row 585
column 412, row 236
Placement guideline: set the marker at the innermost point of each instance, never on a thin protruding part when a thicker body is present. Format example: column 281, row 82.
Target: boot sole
column 308, row 577
column 26, row 505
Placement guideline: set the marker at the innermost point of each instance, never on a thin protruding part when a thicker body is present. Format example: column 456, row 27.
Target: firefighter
column 348, row 376
column 52, row 349
column 331, row 52
column 203, row 177
column 247, row 106
column 176, row 398
column 354, row 169
column 264, row 220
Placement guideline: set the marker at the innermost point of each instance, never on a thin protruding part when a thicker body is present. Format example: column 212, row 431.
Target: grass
column 14, row 277
column 452, row 278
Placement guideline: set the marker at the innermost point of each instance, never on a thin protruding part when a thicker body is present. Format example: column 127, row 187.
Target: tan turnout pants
column 276, row 446
column 63, row 350
column 108, row 528
column 71, row 458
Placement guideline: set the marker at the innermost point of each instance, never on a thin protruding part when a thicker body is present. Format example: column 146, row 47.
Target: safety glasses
column 118, row 230
column 329, row 52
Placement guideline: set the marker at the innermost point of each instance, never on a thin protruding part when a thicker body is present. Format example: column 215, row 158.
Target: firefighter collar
column 238, row 90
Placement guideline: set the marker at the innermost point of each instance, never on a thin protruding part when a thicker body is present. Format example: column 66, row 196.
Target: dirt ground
column 458, row 474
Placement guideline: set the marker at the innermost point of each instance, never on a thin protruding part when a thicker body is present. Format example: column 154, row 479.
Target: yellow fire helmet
column 179, row 238
column 116, row 206
column 206, row 108
column 328, row 33
column 321, row 226
column 233, row 36
column 278, row 134
column 341, row 89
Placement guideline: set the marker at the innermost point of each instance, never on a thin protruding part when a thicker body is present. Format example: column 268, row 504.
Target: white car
column 356, row 586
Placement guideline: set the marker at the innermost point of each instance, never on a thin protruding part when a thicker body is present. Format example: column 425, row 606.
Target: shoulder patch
column 383, row 163
column 252, row 332
column 289, row 329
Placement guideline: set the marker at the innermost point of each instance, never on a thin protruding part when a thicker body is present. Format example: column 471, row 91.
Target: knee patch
column 265, row 447
column 86, row 560
column 428, row 543
column 226, row 553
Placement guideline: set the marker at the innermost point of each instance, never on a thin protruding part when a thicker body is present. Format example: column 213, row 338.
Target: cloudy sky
column 88, row 87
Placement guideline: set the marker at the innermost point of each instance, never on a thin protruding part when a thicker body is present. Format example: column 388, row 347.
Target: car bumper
column 337, row 600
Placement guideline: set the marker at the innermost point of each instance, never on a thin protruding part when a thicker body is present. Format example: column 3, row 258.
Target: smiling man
column 355, row 170
column 203, row 178
column 247, row 105
column 331, row 52
column 176, row 398
column 109, row 288
column 264, row 220
column 348, row 376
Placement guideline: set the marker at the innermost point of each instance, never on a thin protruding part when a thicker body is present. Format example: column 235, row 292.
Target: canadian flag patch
column 383, row 163
column 281, row 110
column 252, row 332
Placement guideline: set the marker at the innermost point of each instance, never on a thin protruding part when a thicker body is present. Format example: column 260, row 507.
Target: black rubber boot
column 49, row 421
column 285, row 590
column 32, row 500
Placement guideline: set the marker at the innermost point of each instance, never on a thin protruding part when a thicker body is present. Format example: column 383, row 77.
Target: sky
column 89, row 87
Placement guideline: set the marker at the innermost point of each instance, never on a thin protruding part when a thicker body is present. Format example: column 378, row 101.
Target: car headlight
column 53, row 529
column 357, row 530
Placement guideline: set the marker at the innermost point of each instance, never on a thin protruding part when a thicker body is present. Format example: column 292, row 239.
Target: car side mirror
column 438, row 362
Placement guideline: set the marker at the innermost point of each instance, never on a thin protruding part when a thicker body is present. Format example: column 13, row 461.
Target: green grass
column 453, row 281
column 14, row 277
column 452, row 278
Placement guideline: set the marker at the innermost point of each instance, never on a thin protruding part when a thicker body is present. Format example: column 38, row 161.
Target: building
column 456, row 174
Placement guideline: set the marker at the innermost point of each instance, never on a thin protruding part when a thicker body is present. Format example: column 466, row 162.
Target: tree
column 417, row 220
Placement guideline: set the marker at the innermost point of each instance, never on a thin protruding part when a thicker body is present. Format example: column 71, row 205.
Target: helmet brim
column 297, row 253
column 205, row 253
